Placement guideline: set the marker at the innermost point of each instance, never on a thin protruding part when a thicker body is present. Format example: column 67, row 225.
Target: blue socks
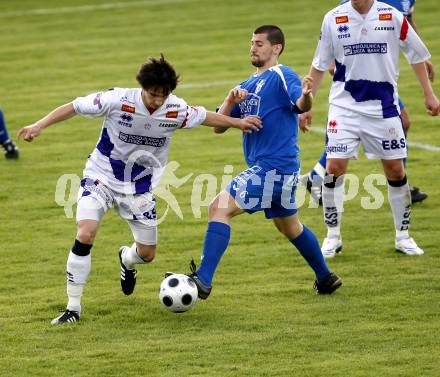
column 216, row 241
column 308, row 246
column 3, row 131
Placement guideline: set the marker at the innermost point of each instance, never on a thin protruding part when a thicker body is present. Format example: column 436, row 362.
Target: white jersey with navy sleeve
column 366, row 50
column 132, row 151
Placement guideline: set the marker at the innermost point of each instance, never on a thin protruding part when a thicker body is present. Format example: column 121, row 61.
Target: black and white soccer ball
column 178, row 293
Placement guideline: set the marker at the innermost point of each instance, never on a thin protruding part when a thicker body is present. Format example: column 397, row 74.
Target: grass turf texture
column 262, row 318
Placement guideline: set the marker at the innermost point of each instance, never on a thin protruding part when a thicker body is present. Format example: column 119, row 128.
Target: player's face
column 261, row 50
column 154, row 98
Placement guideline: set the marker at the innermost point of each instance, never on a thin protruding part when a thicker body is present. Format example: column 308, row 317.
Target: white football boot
column 408, row 246
column 330, row 246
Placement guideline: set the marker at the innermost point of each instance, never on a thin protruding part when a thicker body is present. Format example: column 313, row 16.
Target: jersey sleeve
column 291, row 84
column 411, row 45
column 93, row 105
column 324, row 53
column 194, row 116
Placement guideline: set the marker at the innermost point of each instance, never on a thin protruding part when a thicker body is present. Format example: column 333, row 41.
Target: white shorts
column 381, row 138
column 95, row 199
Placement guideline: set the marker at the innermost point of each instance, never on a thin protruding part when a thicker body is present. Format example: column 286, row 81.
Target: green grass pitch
column 263, row 318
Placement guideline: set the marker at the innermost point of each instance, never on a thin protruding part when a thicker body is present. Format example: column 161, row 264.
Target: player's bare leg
column 332, row 203
column 400, row 200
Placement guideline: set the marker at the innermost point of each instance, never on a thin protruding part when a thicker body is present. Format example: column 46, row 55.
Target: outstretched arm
column 223, row 122
column 431, row 102
column 61, row 113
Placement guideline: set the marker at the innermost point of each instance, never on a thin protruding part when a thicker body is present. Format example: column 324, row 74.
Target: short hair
column 274, row 35
column 158, row 74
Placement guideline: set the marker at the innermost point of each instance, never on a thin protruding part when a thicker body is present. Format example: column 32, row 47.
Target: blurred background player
column 364, row 107
column 313, row 180
column 11, row 150
column 274, row 93
column 125, row 166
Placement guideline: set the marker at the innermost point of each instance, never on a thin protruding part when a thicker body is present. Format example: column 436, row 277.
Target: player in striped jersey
column 313, row 180
column 363, row 37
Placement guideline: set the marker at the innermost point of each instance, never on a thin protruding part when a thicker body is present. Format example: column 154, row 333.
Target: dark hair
column 158, row 74
column 274, row 35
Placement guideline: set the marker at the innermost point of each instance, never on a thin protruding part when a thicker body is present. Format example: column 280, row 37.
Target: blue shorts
column 256, row 189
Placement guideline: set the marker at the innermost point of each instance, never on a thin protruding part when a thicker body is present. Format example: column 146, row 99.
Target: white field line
column 86, row 8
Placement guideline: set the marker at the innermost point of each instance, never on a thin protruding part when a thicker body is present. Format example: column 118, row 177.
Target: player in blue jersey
column 274, row 93
column 11, row 150
column 313, row 180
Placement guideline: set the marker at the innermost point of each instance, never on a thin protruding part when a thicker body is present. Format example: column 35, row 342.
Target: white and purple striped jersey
column 132, row 151
column 366, row 50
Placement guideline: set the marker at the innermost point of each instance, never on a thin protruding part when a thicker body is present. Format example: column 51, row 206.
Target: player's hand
column 430, row 70
column 251, row 123
column 237, row 95
column 29, row 133
column 305, row 121
column 432, row 105
column 307, row 83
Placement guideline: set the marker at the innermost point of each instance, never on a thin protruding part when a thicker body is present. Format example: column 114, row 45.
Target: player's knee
column 146, row 252
column 85, row 235
column 335, row 168
column 394, row 171
column 86, row 231
column 218, row 207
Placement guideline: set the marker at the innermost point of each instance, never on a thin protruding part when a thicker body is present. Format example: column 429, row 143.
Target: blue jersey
column 272, row 96
column 403, row 6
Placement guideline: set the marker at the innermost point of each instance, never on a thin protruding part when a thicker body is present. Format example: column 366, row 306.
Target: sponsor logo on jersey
column 341, row 19
column 338, row 148
column 393, row 144
column 250, row 106
column 365, row 48
column 147, row 126
column 343, row 32
column 385, row 17
column 126, row 99
column 168, row 125
column 125, row 120
column 128, row 108
column 142, row 140
column 384, row 9
column 332, row 127
column 383, row 28
column 172, row 106
column 172, row 114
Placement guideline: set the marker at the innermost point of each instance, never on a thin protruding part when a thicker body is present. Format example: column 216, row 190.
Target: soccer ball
column 178, row 293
